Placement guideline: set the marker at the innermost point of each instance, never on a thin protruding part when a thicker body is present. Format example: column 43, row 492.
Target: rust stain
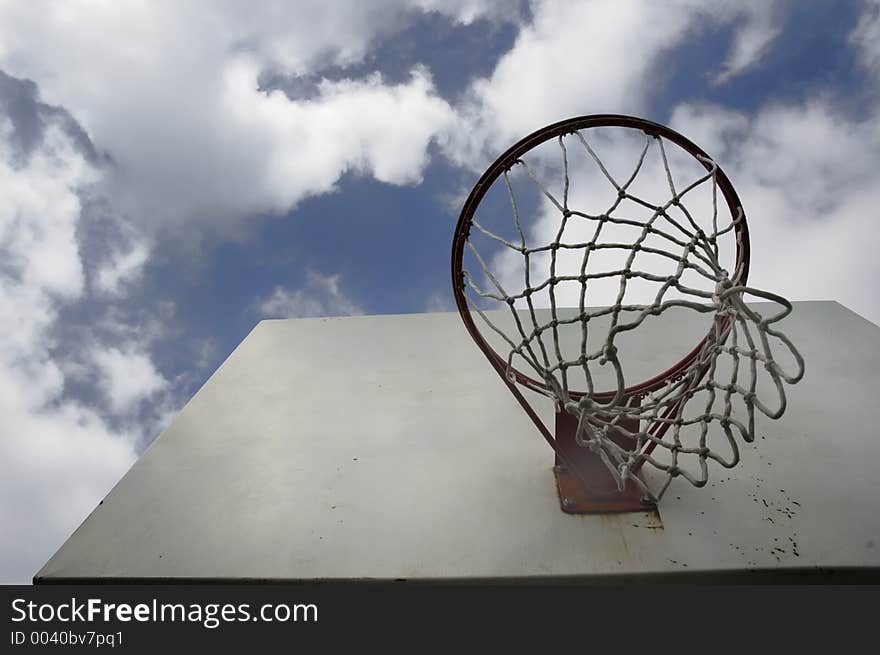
column 649, row 520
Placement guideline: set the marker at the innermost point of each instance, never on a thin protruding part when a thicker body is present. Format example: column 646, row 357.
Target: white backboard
column 385, row 447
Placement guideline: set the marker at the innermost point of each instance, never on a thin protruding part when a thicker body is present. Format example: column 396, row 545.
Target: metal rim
column 507, row 159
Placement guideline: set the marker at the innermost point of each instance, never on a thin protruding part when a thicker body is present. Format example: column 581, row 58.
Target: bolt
column 560, row 468
column 568, row 503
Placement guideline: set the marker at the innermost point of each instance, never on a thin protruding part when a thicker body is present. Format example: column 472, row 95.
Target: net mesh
column 712, row 399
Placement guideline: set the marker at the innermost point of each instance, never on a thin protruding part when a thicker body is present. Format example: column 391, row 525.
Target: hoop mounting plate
column 590, row 489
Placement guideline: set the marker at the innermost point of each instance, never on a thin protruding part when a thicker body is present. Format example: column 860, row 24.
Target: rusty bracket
column 590, row 488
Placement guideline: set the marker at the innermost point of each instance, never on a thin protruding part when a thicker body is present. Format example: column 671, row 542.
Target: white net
column 644, row 246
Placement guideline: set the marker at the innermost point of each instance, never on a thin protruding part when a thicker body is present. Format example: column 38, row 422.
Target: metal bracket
column 590, row 488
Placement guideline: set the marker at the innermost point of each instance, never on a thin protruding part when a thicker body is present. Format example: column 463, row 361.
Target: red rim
column 506, row 160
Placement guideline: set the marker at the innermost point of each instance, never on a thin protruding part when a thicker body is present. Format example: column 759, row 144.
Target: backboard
column 385, row 447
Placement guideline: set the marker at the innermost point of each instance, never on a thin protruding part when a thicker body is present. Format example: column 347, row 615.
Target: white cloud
column 362, row 126
column 39, row 209
column 467, row 11
column 321, row 296
column 124, row 268
column 760, row 27
column 178, row 109
column 807, row 177
column 866, row 35
column 575, row 58
column 55, row 465
column 580, row 58
column 127, row 377
column 43, row 252
column 169, row 91
column 316, row 33
column 57, row 458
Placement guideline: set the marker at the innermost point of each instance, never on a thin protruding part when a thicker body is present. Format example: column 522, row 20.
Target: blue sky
column 172, row 173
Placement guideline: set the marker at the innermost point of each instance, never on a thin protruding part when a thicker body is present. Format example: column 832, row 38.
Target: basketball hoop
column 646, row 238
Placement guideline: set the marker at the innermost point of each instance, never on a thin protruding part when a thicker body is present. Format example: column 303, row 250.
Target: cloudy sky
column 172, row 172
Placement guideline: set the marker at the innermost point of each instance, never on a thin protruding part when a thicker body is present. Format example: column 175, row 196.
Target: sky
column 171, row 173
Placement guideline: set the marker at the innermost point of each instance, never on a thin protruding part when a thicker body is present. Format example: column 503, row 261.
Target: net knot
column 723, row 285
column 609, row 353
